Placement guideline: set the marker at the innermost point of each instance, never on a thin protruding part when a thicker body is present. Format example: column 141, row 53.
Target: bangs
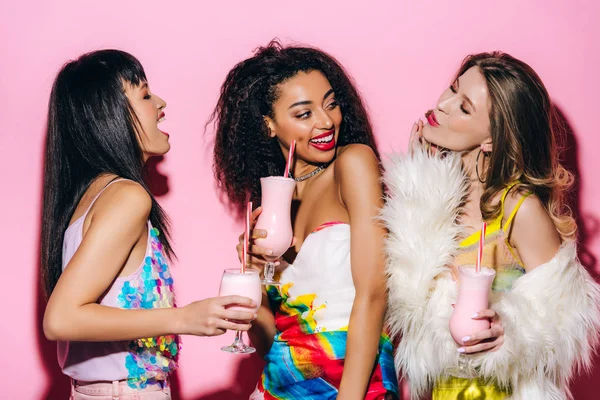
column 130, row 69
column 106, row 65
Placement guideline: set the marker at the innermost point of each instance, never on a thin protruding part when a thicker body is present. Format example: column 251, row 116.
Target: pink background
column 402, row 54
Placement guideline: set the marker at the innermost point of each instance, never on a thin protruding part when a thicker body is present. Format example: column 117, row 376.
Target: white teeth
column 325, row 139
column 162, row 119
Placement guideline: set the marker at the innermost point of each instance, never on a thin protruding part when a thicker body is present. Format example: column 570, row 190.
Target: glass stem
column 238, row 342
column 269, row 271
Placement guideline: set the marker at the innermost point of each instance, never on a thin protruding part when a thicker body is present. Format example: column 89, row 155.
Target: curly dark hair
column 243, row 151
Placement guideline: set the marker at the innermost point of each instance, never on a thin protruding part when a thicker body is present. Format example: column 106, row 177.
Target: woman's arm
column 358, row 174
column 118, row 223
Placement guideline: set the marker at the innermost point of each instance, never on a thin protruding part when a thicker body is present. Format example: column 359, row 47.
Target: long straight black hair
column 91, row 131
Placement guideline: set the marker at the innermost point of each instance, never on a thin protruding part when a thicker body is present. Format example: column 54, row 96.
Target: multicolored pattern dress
column 500, row 255
column 312, row 312
column 142, row 361
column 150, row 359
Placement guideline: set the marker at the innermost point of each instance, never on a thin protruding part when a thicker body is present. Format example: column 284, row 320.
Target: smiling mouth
column 161, row 117
column 324, row 139
column 324, row 142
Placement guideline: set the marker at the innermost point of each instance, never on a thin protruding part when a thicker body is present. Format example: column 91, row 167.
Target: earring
column 477, row 166
column 269, row 132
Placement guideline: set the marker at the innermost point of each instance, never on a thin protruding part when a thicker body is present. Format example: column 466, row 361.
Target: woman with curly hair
column 322, row 330
column 499, row 163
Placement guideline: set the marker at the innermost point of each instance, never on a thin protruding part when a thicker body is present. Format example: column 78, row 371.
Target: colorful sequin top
column 312, row 312
column 140, row 361
column 500, row 255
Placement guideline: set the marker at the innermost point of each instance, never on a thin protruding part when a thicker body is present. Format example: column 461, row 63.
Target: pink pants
column 118, row 390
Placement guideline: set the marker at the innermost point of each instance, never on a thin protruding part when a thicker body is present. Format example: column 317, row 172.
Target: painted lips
column 324, row 142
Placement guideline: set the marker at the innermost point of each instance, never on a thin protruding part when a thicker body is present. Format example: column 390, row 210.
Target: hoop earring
column 477, row 167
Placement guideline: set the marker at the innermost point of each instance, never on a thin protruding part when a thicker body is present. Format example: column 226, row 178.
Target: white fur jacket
column 551, row 317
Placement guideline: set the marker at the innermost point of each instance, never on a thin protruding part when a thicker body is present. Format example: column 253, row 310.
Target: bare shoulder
column 357, row 158
column 531, row 209
column 533, row 232
column 359, row 177
column 126, row 200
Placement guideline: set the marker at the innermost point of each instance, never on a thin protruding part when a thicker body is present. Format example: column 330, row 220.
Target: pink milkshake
column 246, row 284
column 473, row 292
column 276, row 202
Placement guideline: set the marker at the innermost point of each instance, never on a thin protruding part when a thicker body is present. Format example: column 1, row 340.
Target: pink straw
column 288, row 164
column 246, row 236
column 481, row 242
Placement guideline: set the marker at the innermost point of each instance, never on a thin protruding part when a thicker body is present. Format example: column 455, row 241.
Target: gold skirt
column 453, row 388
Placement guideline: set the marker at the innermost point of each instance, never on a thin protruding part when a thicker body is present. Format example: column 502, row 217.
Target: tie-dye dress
column 312, row 311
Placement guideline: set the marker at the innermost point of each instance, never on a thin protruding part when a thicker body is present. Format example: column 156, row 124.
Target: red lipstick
column 324, row 142
column 431, row 119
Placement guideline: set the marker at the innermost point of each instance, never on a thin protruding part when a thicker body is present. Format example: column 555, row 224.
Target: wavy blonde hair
column 525, row 142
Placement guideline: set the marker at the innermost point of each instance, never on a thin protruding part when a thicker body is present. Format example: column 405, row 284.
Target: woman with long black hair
column 105, row 241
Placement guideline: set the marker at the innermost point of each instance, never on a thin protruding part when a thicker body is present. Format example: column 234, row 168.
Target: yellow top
column 497, row 251
column 500, row 255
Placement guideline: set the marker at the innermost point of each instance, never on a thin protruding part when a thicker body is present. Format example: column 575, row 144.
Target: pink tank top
column 140, row 361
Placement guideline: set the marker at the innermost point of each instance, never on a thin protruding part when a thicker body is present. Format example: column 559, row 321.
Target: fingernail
column 277, row 263
column 475, row 315
column 466, row 338
column 461, row 350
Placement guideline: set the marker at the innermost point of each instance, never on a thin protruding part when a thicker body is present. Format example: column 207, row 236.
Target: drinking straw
column 288, row 164
column 481, row 242
column 246, row 236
